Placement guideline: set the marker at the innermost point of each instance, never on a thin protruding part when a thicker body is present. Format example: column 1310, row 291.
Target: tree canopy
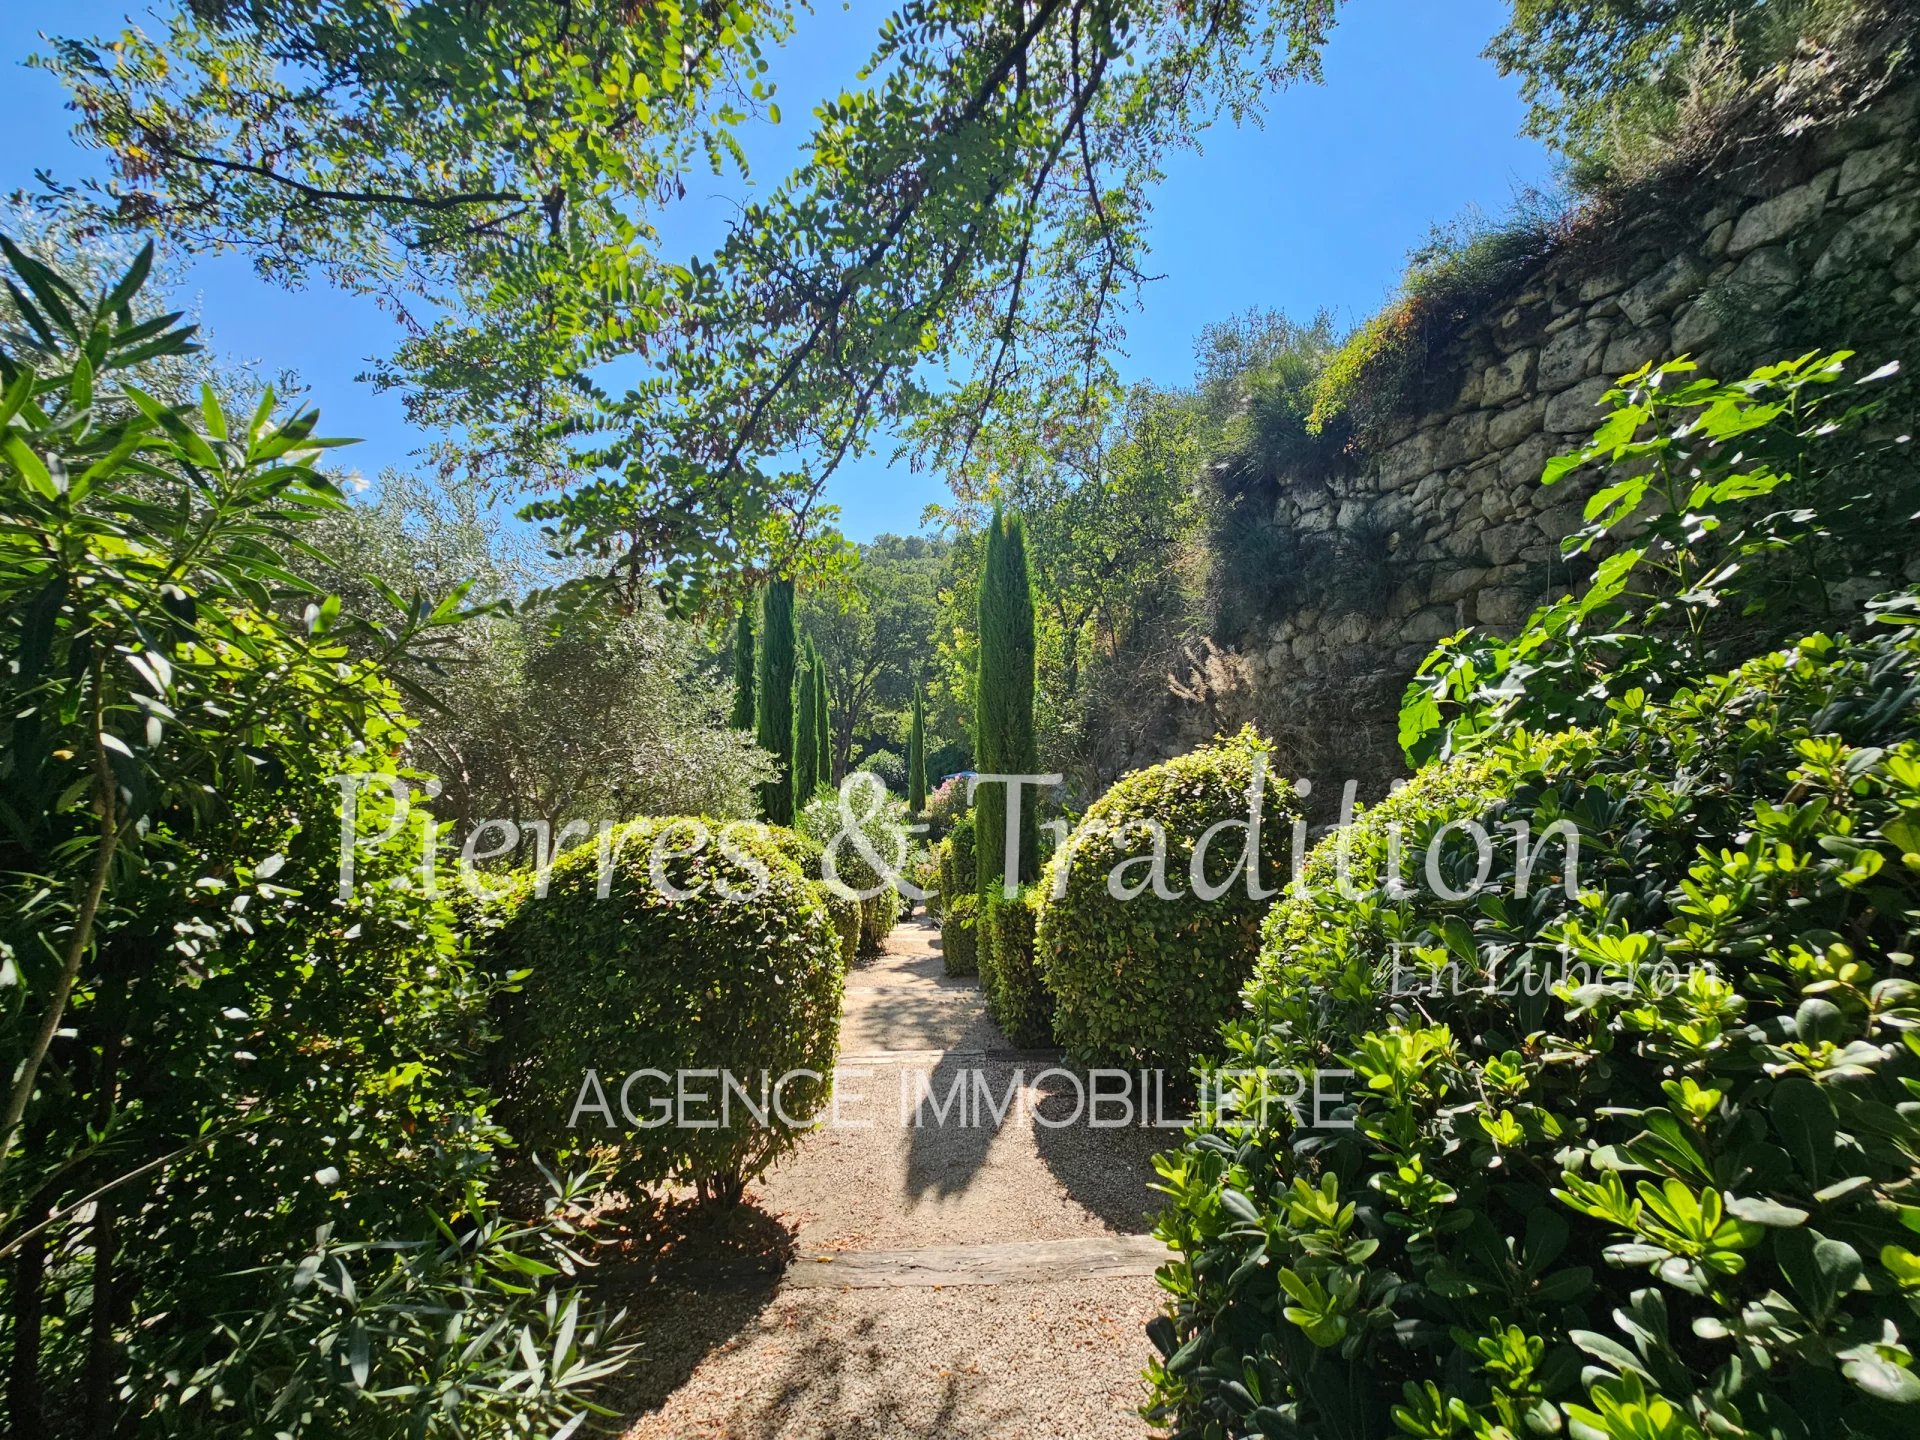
column 499, row 174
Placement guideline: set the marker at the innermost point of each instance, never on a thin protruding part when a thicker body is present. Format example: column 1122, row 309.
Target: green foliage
column 979, row 191
column 773, row 687
column 1020, row 1004
column 558, row 703
column 917, row 756
column 1635, row 1161
column 744, row 713
column 823, row 759
column 806, row 725
column 211, row 1051
column 1003, row 706
column 1618, row 86
column 1258, row 375
column 890, row 768
column 733, row 922
column 1148, row 974
column 853, row 832
column 1365, row 384
column 843, row 907
column 945, row 807
column 878, row 915
column 873, row 632
column 455, row 1333
column 962, row 863
column 1700, row 563
column 959, row 933
column 1105, row 484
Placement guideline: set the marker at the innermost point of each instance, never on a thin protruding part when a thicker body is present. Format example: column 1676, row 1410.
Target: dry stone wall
column 1740, row 268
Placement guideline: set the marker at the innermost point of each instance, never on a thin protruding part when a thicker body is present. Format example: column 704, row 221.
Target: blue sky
column 1317, row 207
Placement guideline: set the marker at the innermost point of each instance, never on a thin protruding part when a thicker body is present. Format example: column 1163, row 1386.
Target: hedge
column 1019, row 1003
column 959, row 941
column 1640, row 1162
column 1142, row 978
column 747, row 983
column 878, row 913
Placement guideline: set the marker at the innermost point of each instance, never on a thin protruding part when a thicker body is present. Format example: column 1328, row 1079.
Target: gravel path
column 1051, row 1354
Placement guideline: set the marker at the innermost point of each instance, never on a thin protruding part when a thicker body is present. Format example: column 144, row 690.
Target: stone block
column 1423, row 627
column 1572, row 355
column 1695, row 328
column 1502, row 542
column 1679, row 279
column 1505, row 606
column 1508, row 379
column 1515, row 423
column 1455, row 581
column 1718, row 238
column 1782, row 215
column 1463, row 439
column 1561, row 519
column 1575, row 411
column 1872, row 238
column 1866, row 168
column 1521, row 467
column 1630, row 349
column 1769, row 268
column 1599, row 287
column 1428, row 490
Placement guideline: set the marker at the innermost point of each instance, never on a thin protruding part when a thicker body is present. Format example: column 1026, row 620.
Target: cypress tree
column 742, row 717
column 1003, row 741
column 826, row 721
column 806, row 729
column 774, row 693
column 917, row 756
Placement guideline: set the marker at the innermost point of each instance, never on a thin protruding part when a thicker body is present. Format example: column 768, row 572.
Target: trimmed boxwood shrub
column 1644, row 1162
column 1018, row 1002
column 959, row 938
column 877, row 916
column 842, row 908
column 957, row 867
column 645, row 980
column 1149, row 979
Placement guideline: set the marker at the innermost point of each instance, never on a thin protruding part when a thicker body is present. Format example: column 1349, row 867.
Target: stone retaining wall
column 1471, row 536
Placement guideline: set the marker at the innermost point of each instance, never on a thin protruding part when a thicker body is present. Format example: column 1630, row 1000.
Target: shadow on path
column 1107, row 1169
column 691, row 1281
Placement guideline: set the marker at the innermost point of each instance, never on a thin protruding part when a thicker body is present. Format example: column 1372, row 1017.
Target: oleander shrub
column 701, row 956
column 1642, row 1160
column 1144, row 969
column 946, row 803
column 959, row 934
column 1019, row 1003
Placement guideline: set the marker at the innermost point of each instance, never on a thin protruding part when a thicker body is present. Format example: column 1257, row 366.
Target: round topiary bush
column 842, row 908
column 718, row 957
column 1642, row 1160
column 1144, row 966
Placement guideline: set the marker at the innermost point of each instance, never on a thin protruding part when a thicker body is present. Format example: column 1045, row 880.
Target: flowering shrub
column 945, row 805
column 1143, row 968
column 1639, row 1161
